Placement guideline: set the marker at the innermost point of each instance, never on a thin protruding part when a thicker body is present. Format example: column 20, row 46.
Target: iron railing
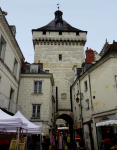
column 8, row 104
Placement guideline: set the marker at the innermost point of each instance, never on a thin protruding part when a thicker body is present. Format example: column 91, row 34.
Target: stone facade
column 48, row 54
column 98, row 99
column 9, row 70
column 27, row 98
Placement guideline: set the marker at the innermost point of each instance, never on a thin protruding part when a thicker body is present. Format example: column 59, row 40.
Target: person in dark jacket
column 43, row 143
column 64, row 139
column 47, row 143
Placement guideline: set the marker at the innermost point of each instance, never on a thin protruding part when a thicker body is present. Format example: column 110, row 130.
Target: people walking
column 64, row 139
column 43, row 143
column 53, row 141
column 78, row 139
column 60, row 142
column 68, row 142
column 47, row 143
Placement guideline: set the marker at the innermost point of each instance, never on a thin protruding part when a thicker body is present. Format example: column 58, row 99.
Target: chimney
column 89, row 55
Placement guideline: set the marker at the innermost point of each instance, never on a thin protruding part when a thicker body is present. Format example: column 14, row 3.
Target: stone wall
column 71, row 48
column 27, row 98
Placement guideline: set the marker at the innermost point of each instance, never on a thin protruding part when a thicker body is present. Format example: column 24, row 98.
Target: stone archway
column 69, row 119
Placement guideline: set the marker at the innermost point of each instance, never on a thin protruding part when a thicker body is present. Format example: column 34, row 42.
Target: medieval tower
column 59, row 46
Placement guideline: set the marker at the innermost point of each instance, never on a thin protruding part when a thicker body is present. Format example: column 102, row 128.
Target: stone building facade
column 59, row 46
column 10, row 64
column 97, row 95
column 35, row 96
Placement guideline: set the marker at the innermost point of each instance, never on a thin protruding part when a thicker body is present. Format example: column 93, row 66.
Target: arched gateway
column 68, row 119
column 59, row 46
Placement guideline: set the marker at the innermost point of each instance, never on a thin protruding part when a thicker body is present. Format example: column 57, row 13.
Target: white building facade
column 10, row 65
column 97, row 97
column 35, row 97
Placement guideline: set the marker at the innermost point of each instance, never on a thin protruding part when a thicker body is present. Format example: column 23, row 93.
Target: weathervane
column 58, row 6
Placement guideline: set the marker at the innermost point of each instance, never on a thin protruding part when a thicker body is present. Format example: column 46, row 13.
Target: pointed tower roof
column 58, row 24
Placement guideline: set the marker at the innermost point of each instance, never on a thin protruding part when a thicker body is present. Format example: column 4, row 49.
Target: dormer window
column 44, row 32
column 34, row 69
column 59, row 24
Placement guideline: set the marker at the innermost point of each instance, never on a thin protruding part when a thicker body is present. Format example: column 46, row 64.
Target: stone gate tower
column 59, row 46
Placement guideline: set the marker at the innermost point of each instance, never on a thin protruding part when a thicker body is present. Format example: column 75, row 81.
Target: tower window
column 77, row 33
column 60, row 57
column 44, row 32
column 60, row 33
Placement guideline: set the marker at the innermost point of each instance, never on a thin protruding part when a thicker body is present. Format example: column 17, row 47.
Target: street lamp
column 77, row 99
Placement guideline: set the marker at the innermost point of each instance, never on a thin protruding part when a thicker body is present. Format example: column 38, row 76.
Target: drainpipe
column 71, row 98
column 81, row 108
column 90, row 90
column 18, row 84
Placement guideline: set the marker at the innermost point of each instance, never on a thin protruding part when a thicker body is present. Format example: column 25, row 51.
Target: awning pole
column 18, row 139
column 26, row 139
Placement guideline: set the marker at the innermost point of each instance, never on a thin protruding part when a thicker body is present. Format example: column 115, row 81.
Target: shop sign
column 77, row 126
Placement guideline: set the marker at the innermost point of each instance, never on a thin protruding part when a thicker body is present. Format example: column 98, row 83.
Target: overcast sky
column 98, row 17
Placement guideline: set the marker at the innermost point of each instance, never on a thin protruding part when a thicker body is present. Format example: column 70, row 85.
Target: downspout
column 19, row 84
column 90, row 91
column 71, row 98
column 81, row 109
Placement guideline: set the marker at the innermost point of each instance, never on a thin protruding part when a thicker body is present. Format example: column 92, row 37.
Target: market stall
column 8, row 122
column 102, row 131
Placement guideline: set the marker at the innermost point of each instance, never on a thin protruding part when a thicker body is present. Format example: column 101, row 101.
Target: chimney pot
column 89, row 56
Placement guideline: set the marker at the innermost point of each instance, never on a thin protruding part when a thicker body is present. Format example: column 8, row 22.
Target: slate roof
column 52, row 27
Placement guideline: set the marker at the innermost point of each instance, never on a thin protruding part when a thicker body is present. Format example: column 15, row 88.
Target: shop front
column 102, row 125
column 77, row 129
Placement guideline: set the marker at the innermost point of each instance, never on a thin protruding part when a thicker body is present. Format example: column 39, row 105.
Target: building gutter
column 19, row 83
column 81, row 108
column 71, row 98
column 90, row 90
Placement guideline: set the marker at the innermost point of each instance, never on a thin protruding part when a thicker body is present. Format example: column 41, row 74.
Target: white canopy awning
column 10, row 122
column 107, row 123
column 62, row 128
column 31, row 127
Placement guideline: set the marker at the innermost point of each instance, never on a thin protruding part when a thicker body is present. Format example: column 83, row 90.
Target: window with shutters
column 2, row 47
column 37, row 87
column 36, row 110
column 15, row 67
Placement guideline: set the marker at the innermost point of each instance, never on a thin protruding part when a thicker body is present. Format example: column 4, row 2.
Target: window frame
column 15, row 67
column 87, row 104
column 44, row 32
column 38, row 92
column 60, row 57
column 3, row 47
column 60, row 32
column 36, row 115
column 86, row 86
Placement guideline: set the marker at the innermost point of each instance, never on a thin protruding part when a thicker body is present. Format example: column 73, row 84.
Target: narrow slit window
column 60, row 57
column 60, row 32
column 77, row 33
column 44, row 32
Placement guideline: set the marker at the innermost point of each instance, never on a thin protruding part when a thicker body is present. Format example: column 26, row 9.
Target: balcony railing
column 8, row 104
